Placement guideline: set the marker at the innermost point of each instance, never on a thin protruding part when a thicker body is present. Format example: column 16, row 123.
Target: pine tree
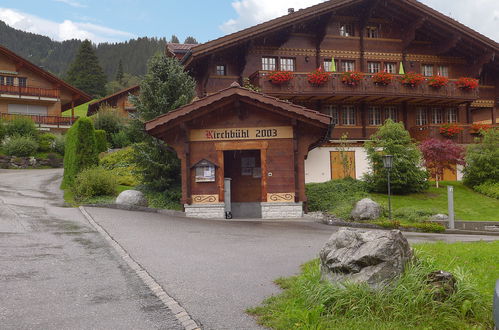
column 191, row 40
column 174, row 40
column 85, row 72
column 119, row 73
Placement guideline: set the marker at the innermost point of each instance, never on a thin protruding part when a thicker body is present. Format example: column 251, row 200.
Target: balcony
column 366, row 90
column 28, row 92
column 42, row 121
column 425, row 132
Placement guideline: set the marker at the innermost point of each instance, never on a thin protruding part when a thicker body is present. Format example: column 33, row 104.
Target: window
column 221, row 70
column 22, row 81
column 333, row 112
column 421, row 118
column 391, row 68
column 436, row 116
column 443, row 70
column 373, row 67
column 427, row 70
column 372, row 32
column 346, row 30
column 2, row 80
column 348, row 115
column 347, row 66
column 391, row 113
column 269, row 63
column 287, row 64
column 374, row 115
column 328, row 67
column 9, row 81
column 452, row 115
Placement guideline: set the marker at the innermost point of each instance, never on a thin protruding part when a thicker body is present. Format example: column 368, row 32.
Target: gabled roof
column 178, row 50
column 314, row 12
column 110, row 99
column 301, row 113
column 82, row 96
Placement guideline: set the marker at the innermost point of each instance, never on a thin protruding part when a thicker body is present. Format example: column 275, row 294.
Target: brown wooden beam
column 479, row 62
column 363, row 118
column 405, row 113
column 469, row 117
column 410, row 34
column 444, row 47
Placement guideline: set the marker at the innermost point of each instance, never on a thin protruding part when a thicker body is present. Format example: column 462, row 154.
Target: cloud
column 62, row 31
column 480, row 15
column 72, row 3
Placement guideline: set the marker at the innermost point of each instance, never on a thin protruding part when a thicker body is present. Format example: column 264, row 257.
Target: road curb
column 180, row 313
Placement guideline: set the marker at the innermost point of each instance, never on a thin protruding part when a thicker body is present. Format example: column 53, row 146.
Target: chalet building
column 371, row 37
column 28, row 90
column 119, row 100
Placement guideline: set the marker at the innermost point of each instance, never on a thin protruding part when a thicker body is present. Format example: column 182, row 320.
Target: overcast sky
column 119, row 20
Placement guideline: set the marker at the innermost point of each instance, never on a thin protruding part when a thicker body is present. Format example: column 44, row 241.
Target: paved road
column 56, row 272
column 218, row 269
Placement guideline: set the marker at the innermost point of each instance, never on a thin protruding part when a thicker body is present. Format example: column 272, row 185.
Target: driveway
column 218, row 269
column 56, row 272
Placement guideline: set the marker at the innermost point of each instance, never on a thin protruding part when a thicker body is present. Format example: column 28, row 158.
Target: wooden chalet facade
column 119, row 100
column 28, row 90
column 368, row 36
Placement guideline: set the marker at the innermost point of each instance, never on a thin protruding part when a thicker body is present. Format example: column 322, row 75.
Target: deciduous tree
column 482, row 160
column 439, row 155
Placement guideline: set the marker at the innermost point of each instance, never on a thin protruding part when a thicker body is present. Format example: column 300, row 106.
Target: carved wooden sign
column 247, row 133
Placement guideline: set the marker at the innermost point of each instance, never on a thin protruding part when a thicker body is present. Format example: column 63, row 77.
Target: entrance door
column 449, row 174
column 244, row 168
column 342, row 165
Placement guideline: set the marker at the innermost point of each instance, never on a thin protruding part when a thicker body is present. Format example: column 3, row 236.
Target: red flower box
column 476, row 128
column 280, row 77
column 449, row 130
column 411, row 79
column 319, row 77
column 382, row 78
column 351, row 78
column 438, row 81
column 467, row 83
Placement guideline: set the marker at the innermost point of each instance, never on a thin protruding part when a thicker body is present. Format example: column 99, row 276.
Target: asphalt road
column 56, row 272
column 218, row 269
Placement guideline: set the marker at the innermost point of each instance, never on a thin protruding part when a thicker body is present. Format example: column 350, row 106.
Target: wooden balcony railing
column 299, row 86
column 29, row 91
column 425, row 132
column 42, row 120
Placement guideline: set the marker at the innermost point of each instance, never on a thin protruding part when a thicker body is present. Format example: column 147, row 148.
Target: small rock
column 366, row 209
column 131, row 197
column 443, row 283
column 32, row 161
column 439, row 217
column 374, row 257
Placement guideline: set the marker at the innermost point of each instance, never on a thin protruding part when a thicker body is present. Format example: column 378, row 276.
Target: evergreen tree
column 482, row 159
column 191, row 40
column 174, row 40
column 119, row 73
column 85, row 72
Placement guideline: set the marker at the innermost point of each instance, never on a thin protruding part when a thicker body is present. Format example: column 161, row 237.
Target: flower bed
column 449, row 130
column 319, row 77
column 476, row 128
column 467, row 83
column 382, row 78
column 351, row 78
column 438, row 81
column 411, row 79
column 280, row 77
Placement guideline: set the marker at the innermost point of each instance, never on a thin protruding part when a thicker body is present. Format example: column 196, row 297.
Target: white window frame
column 421, row 117
column 391, row 112
column 391, row 67
column 269, row 63
column 451, row 115
column 347, row 29
column 287, row 64
column 443, row 70
column 427, row 70
column 374, row 116
column 437, row 116
column 372, row 31
column 332, row 110
column 347, row 65
column 221, row 70
column 348, row 115
column 373, row 67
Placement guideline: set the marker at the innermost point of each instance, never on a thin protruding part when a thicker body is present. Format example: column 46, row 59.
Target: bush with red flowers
column 411, row 79
column 467, row 83
column 438, row 81
column 382, row 78
column 351, row 78
column 450, row 130
column 479, row 127
column 319, row 77
column 280, row 77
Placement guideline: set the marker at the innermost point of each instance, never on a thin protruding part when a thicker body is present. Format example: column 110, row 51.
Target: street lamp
column 388, row 164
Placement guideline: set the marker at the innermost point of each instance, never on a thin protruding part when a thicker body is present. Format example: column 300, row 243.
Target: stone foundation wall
column 207, row 211
column 282, row 210
column 29, row 162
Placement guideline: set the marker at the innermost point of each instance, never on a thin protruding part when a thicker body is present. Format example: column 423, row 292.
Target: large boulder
column 366, row 209
column 374, row 257
column 131, row 197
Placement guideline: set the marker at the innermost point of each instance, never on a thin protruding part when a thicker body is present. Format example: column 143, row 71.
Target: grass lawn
column 309, row 303
column 80, row 111
column 468, row 204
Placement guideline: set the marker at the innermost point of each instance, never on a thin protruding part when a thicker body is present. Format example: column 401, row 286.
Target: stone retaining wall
column 29, row 162
column 472, row 225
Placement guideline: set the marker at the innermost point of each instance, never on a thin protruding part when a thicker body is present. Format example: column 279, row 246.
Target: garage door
column 27, row 109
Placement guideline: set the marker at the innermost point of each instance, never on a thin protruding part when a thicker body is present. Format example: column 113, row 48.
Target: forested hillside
column 56, row 56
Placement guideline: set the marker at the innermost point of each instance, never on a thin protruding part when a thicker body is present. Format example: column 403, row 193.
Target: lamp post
column 388, row 164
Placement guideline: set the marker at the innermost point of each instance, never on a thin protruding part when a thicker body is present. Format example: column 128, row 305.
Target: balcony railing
column 299, row 86
column 425, row 132
column 41, row 120
column 29, row 91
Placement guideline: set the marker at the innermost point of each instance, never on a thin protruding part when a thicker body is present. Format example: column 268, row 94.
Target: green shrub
column 336, row 196
column 122, row 165
column 3, row 130
column 21, row 126
column 120, row 139
column 407, row 176
column 80, row 150
column 482, row 160
column 100, row 140
column 92, row 182
column 169, row 199
column 109, row 120
column 413, row 214
column 490, row 189
column 45, row 142
column 59, row 144
column 20, row 146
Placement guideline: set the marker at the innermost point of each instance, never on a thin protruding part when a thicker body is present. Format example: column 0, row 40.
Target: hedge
column 101, row 140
